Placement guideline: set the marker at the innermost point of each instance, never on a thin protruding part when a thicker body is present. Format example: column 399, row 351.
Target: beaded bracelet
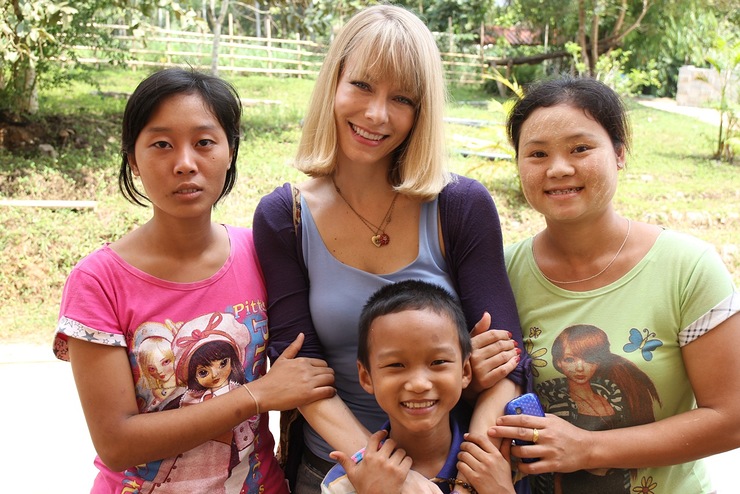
column 455, row 482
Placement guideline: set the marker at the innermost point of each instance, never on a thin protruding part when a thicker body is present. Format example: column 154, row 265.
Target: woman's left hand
column 495, row 355
column 559, row 445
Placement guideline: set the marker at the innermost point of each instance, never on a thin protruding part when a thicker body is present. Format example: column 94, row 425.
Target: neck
column 360, row 183
column 428, row 449
column 180, row 239
column 583, row 240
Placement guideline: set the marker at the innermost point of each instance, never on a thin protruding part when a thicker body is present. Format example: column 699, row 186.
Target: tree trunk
column 25, row 93
column 582, row 32
column 216, row 24
column 595, row 37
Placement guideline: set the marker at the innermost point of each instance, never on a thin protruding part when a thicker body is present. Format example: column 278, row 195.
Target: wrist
column 253, row 398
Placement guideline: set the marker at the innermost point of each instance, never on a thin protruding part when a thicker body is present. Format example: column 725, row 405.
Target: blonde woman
column 379, row 206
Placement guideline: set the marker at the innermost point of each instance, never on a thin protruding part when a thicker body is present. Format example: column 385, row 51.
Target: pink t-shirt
column 170, row 330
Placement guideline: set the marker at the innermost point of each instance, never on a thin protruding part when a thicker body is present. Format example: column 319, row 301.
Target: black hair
column 595, row 98
column 210, row 352
column 411, row 295
column 218, row 95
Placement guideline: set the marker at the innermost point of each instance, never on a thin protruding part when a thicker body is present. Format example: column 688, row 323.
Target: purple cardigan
column 473, row 246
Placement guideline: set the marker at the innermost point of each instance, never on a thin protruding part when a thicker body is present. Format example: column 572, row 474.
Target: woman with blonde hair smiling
column 380, row 207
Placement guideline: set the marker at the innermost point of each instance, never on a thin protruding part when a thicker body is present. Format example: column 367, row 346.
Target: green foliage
column 611, row 69
column 724, row 57
column 465, row 15
column 30, row 33
column 37, row 40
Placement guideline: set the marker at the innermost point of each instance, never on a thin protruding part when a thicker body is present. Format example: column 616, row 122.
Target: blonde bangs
column 388, row 55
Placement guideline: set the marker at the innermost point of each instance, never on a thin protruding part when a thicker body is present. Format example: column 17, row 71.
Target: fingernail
column 510, row 335
column 518, row 351
column 516, row 343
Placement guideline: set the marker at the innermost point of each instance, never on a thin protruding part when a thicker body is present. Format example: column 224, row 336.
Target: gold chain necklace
column 380, row 238
column 624, row 242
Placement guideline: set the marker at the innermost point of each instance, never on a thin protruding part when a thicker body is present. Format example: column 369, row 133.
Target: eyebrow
column 579, row 135
column 393, row 353
column 170, row 129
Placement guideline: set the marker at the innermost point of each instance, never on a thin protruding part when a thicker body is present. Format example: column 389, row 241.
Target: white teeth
column 417, row 404
column 366, row 135
column 187, row 191
column 564, row 191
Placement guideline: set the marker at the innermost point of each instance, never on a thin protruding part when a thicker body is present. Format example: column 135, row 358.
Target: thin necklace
column 380, row 238
column 624, row 242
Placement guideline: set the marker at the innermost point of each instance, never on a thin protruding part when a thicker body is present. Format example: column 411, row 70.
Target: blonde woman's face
column 374, row 116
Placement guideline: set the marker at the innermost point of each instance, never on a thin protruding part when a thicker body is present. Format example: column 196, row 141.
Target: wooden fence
column 162, row 47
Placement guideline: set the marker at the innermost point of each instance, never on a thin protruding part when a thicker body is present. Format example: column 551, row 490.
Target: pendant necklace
column 379, row 238
column 624, row 242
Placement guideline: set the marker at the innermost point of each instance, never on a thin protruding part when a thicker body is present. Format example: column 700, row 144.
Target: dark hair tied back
column 595, row 98
column 218, row 95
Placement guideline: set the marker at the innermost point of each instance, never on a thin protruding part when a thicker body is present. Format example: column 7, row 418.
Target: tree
column 597, row 26
column 37, row 38
column 724, row 57
column 29, row 35
column 216, row 22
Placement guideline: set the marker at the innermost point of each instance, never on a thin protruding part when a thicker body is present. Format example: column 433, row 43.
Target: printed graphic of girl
column 209, row 357
column 601, row 390
column 155, row 360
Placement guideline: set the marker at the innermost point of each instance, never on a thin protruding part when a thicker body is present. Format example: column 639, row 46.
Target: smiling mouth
column 418, row 404
column 187, row 191
column 367, row 135
column 560, row 192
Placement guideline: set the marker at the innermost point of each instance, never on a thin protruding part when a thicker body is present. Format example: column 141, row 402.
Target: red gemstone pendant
column 381, row 240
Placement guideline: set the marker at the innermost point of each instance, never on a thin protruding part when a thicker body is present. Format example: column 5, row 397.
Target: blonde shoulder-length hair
column 386, row 42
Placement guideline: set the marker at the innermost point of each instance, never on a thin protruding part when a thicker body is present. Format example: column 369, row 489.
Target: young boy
column 414, row 357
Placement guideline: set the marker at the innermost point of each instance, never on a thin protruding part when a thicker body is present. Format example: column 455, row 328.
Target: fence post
column 231, row 42
column 268, row 30
column 300, row 54
column 167, row 26
column 451, row 50
column 482, row 51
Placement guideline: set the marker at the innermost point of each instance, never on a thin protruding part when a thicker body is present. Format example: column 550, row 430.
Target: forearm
column 130, row 442
column 124, row 437
column 490, row 406
column 336, row 424
column 685, row 437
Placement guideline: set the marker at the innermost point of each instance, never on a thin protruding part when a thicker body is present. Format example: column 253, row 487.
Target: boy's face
column 416, row 371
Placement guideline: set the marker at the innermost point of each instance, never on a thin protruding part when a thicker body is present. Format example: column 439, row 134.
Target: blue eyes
column 404, row 100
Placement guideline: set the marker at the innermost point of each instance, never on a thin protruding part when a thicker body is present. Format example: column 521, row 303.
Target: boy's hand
column 484, row 466
column 383, row 468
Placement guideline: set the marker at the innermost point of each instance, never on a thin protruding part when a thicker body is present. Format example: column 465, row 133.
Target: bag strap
column 296, row 193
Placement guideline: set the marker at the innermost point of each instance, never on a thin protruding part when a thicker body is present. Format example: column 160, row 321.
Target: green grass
column 670, row 180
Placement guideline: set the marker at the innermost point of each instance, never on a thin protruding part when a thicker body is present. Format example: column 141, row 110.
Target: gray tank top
column 338, row 293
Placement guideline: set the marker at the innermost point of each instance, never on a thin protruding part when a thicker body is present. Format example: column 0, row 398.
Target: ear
column 132, row 164
column 467, row 374
column 366, row 380
column 621, row 157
